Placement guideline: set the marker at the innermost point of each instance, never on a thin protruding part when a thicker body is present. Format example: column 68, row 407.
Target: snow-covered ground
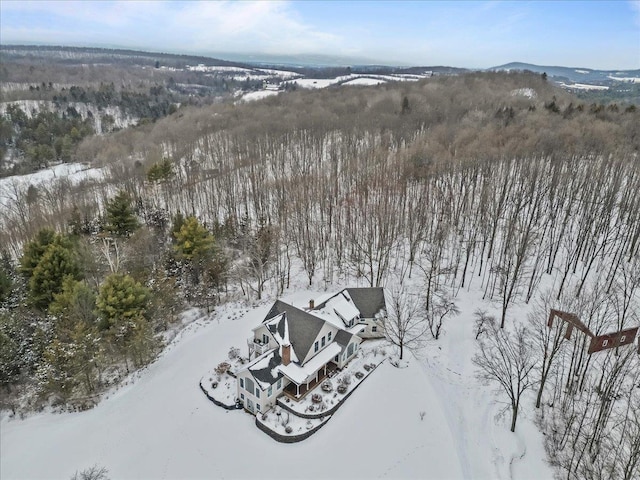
column 73, row 172
column 365, row 81
column 161, row 426
column 626, row 79
column 259, row 95
column 584, row 86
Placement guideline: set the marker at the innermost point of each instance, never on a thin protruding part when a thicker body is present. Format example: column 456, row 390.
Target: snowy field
column 73, row 172
column 259, row 95
column 160, row 425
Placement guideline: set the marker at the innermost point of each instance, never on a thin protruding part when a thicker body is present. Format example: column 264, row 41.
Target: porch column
column 297, row 390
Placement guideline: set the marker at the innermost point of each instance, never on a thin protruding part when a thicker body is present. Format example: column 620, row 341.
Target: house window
column 323, row 341
column 350, row 349
column 265, row 338
column 248, row 385
column 279, row 384
column 336, row 359
column 605, row 343
column 270, row 391
column 258, row 406
column 315, row 347
column 257, row 392
column 329, row 337
column 623, row 338
column 374, row 329
column 242, row 396
column 241, row 383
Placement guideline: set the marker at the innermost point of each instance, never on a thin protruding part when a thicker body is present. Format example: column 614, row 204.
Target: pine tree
column 193, row 241
column 34, row 250
column 47, row 278
column 195, row 245
column 75, row 303
column 120, row 219
column 6, row 278
column 120, row 298
column 122, row 305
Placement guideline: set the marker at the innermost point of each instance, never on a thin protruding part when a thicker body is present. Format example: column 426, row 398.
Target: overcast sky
column 475, row 34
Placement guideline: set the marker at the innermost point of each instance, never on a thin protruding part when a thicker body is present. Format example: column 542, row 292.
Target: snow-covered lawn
column 429, row 420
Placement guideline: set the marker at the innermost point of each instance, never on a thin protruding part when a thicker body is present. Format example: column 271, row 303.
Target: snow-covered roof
column 264, row 369
column 338, row 309
column 302, row 327
column 299, row 374
column 369, row 301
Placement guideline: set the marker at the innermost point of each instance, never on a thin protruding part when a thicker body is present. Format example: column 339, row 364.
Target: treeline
column 42, row 138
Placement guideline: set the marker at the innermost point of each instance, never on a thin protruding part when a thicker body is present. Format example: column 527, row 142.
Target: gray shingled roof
column 265, row 375
column 342, row 338
column 368, row 300
column 303, row 327
column 279, row 327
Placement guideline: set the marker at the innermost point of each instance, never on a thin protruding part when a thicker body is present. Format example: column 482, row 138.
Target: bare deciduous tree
column 404, row 327
column 506, row 359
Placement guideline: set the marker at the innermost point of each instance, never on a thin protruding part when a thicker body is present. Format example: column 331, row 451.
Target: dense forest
column 499, row 180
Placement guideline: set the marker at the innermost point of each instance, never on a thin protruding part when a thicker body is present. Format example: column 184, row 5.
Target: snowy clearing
column 73, row 172
column 259, row 95
column 625, row 79
column 162, row 426
column 584, row 86
column 365, row 81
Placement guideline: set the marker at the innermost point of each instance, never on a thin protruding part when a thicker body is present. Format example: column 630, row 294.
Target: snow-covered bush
column 234, row 352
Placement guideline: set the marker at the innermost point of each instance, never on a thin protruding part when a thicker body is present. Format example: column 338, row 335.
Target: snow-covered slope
column 161, row 426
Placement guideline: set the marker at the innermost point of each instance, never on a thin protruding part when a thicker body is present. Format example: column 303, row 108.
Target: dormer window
column 265, row 338
column 329, row 337
column 315, row 347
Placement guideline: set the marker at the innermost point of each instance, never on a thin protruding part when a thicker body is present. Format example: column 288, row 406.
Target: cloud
column 196, row 26
column 635, row 6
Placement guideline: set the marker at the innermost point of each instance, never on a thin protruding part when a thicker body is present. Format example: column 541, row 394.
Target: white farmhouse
column 295, row 349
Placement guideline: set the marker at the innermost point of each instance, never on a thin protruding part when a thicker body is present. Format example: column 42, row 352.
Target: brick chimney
column 312, row 304
column 286, row 354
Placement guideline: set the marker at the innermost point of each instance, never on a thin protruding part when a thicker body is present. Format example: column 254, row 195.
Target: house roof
column 303, row 327
column 343, row 337
column 368, row 300
column 299, row 374
column 264, row 368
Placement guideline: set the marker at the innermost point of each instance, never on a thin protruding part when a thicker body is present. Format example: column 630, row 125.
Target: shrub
column 222, row 368
column 316, row 398
column 234, row 352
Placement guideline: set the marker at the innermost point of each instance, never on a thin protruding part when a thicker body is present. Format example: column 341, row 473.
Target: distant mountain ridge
column 572, row 74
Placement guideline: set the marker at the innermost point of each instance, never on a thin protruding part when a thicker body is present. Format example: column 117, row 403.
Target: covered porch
column 297, row 391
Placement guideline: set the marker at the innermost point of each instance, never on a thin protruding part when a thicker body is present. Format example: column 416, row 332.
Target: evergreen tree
column 161, row 171
column 75, row 303
column 193, row 241
column 34, row 250
column 122, row 305
column 121, row 219
column 70, row 364
column 178, row 221
column 6, row 278
column 47, row 278
column 194, row 245
column 120, row 299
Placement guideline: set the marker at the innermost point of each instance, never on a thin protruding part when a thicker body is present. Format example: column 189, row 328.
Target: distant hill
column 575, row 75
